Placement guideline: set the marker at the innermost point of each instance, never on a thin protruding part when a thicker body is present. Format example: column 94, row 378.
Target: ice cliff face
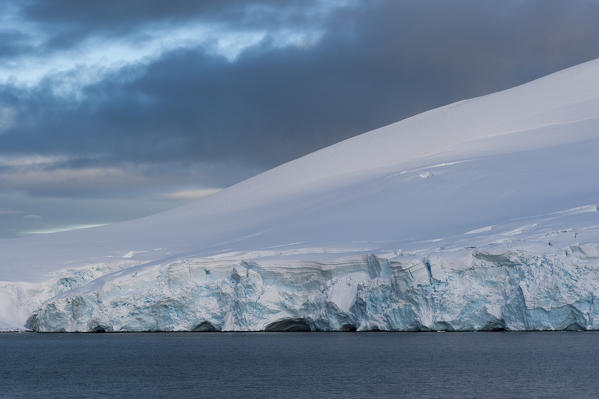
column 511, row 290
column 534, row 282
column 478, row 215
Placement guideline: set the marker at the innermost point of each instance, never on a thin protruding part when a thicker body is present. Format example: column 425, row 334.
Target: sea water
column 300, row 365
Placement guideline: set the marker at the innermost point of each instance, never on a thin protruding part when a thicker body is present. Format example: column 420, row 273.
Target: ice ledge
column 458, row 290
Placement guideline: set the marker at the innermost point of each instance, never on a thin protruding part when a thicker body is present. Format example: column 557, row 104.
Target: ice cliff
column 480, row 215
column 537, row 284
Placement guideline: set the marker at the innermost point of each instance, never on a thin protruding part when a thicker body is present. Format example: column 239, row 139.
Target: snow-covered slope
column 479, row 214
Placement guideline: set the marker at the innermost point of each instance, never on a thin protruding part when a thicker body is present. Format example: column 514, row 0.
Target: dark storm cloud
column 13, row 43
column 102, row 16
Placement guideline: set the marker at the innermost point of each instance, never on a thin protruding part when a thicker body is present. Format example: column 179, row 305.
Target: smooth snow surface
column 478, row 215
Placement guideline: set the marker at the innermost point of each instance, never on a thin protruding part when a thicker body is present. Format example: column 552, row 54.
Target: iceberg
column 480, row 215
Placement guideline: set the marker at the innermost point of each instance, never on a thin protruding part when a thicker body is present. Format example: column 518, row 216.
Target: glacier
column 541, row 284
column 480, row 215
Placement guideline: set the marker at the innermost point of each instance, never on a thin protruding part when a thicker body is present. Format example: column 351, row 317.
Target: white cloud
column 190, row 194
column 32, row 160
column 61, row 229
column 10, row 212
column 92, row 59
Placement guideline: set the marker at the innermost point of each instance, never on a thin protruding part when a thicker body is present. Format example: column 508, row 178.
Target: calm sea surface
column 300, row 365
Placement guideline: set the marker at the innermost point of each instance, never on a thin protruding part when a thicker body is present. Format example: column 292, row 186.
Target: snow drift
column 478, row 215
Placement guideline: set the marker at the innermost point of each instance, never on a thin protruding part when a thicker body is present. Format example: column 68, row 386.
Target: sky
column 112, row 112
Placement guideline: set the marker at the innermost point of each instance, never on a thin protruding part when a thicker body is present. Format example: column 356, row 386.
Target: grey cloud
column 89, row 179
column 14, row 43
